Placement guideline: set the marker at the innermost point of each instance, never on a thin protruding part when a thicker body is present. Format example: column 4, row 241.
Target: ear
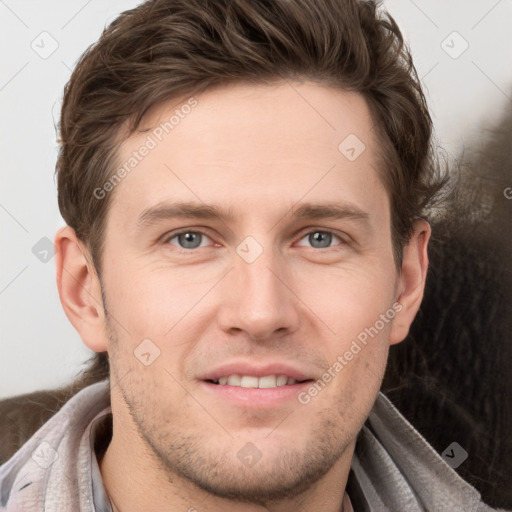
column 411, row 281
column 80, row 290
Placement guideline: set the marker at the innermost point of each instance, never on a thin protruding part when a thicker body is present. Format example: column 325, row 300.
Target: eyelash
column 168, row 239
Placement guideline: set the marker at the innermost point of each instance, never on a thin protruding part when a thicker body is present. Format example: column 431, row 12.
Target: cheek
column 349, row 299
column 167, row 306
column 356, row 340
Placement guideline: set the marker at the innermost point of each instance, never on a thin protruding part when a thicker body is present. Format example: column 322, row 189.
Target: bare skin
column 261, row 153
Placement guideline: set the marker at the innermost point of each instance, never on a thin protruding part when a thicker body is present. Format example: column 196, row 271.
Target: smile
column 250, row 381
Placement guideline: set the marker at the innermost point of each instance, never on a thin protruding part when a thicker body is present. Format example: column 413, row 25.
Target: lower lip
column 256, row 397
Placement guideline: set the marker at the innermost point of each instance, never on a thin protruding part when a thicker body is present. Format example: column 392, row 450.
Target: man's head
column 245, row 183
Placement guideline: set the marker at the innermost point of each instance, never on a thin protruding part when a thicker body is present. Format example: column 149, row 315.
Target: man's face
column 263, row 292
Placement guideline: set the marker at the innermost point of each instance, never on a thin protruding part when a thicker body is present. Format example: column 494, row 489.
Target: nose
column 258, row 299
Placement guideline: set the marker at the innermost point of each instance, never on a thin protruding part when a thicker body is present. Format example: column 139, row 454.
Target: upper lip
column 256, row 370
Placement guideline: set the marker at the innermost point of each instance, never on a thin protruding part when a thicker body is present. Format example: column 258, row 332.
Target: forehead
column 256, row 148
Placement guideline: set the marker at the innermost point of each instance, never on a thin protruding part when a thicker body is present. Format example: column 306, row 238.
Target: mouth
column 255, row 382
column 255, row 385
column 251, row 392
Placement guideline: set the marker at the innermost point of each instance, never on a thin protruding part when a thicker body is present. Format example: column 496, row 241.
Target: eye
column 188, row 239
column 321, row 239
column 318, row 239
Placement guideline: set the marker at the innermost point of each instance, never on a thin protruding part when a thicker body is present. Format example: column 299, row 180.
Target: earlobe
column 412, row 280
column 79, row 289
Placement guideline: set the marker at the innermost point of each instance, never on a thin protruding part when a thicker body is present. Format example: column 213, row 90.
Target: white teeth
column 269, row 381
column 282, row 380
column 249, row 381
column 234, row 380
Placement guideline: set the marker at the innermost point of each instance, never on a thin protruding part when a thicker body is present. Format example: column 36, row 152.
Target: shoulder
column 21, row 416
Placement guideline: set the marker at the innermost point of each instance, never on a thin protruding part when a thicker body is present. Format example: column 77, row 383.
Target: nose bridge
column 262, row 302
column 261, row 286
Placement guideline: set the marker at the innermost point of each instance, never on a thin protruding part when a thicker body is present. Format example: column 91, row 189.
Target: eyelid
column 341, row 236
column 173, row 234
column 301, row 234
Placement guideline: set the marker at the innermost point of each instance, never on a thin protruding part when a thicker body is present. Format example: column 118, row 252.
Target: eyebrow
column 189, row 210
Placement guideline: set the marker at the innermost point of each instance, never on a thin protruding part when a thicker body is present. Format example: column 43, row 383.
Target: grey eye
column 188, row 239
column 321, row 239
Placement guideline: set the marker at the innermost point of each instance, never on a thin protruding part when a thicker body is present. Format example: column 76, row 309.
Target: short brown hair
column 163, row 49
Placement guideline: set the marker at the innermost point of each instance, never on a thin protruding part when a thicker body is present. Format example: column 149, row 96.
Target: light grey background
column 39, row 44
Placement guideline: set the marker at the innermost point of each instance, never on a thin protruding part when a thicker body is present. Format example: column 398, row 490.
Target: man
column 246, row 187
